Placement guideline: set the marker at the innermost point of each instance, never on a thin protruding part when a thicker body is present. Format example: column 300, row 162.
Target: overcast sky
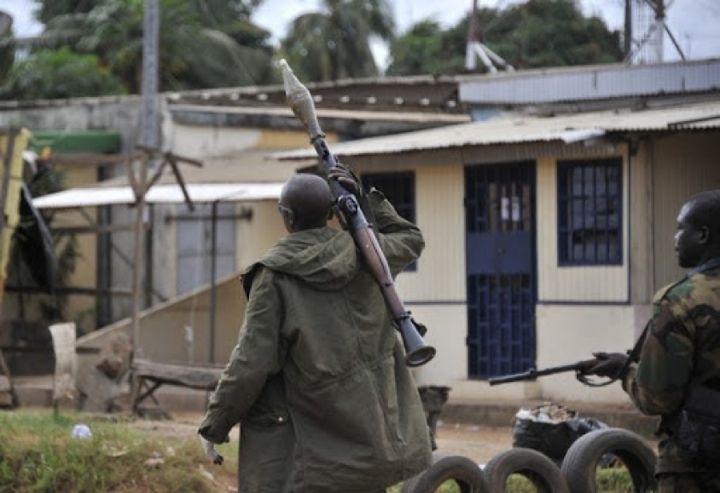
column 694, row 22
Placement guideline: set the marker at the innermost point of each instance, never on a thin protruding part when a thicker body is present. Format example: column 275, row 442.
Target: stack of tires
column 576, row 474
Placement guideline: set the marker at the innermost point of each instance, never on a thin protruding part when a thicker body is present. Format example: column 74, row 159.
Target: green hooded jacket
column 318, row 379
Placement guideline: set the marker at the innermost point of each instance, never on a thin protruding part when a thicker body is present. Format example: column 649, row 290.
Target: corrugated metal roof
column 590, row 82
column 159, row 194
column 349, row 114
column 246, row 166
column 517, row 129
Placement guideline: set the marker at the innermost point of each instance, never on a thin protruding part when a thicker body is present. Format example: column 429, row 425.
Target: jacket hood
column 323, row 257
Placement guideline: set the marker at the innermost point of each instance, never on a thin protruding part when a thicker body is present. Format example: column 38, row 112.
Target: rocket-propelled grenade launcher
column 299, row 99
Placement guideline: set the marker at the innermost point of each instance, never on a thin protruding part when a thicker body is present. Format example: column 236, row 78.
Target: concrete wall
column 178, row 331
column 201, row 141
column 682, row 166
column 569, row 333
column 640, row 169
column 81, row 308
column 256, row 235
column 117, row 113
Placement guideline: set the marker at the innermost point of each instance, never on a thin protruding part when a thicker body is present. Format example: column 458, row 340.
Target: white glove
column 210, row 451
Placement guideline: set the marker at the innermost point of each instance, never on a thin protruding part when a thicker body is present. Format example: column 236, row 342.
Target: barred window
column 399, row 189
column 590, row 212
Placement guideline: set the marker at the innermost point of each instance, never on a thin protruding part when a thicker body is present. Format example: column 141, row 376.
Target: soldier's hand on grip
column 608, row 365
column 347, row 178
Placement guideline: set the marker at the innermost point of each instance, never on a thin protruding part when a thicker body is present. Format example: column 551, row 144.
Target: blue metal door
column 500, row 246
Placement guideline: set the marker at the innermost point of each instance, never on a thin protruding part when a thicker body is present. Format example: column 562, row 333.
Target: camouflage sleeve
column 257, row 356
column 401, row 241
column 656, row 384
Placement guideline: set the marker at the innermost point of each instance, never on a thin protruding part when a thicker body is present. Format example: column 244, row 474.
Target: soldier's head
column 305, row 202
column 698, row 229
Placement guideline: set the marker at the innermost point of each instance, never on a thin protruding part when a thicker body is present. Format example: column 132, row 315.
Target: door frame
column 532, row 170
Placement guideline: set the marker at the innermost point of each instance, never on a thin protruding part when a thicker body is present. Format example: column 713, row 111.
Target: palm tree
column 204, row 43
column 335, row 42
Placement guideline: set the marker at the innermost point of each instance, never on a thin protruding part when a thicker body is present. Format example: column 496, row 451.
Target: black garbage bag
column 551, row 429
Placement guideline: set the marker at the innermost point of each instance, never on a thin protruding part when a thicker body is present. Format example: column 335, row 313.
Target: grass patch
column 447, row 487
column 37, row 454
column 609, row 480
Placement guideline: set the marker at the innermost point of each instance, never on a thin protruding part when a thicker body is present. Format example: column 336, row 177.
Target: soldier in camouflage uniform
column 681, row 350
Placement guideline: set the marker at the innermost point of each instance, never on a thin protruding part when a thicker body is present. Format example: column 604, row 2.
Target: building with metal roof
column 548, row 227
column 546, row 235
column 591, row 86
column 519, row 128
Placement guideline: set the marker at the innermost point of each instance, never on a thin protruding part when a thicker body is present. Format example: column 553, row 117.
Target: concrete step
column 502, row 413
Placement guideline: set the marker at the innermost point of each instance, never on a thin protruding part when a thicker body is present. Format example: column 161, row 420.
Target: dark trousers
column 688, row 483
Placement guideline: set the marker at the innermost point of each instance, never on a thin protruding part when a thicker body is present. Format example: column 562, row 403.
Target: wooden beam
column 94, row 229
column 132, row 180
column 71, row 290
column 181, row 181
column 154, row 152
column 187, row 160
column 158, row 173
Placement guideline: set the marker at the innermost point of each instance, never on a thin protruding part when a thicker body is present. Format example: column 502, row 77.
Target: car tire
column 533, row 465
column 583, row 456
column 466, row 473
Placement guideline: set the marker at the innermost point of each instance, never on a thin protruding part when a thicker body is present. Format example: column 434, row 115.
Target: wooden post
column 138, row 256
column 7, row 163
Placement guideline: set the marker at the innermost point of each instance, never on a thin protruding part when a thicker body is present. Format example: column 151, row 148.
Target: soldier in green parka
column 318, row 381
column 677, row 375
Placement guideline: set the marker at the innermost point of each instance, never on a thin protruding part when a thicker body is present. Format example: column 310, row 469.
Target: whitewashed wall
column 683, row 165
column 569, row 333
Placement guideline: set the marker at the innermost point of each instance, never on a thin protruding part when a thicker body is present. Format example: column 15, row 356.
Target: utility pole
column 151, row 42
column 627, row 38
column 150, row 125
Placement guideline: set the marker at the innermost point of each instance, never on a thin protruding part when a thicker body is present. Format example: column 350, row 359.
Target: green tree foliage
column 203, row 43
column 49, row 9
column 419, row 50
column 335, row 43
column 538, row 33
column 59, row 74
column 7, row 48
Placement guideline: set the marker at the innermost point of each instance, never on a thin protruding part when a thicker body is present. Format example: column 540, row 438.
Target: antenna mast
column 475, row 49
column 649, row 18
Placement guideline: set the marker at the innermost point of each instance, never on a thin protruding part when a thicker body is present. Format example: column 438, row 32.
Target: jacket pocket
column 275, row 418
column 270, row 408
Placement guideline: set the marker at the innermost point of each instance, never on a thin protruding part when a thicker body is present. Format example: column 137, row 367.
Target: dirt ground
column 479, row 443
